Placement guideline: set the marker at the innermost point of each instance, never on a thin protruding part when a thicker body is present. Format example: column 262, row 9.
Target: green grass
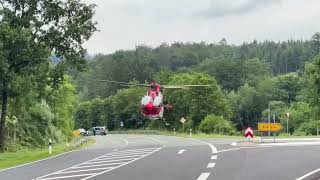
column 10, row 159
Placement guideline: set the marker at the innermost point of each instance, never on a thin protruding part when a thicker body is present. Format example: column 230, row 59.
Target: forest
column 249, row 82
column 50, row 85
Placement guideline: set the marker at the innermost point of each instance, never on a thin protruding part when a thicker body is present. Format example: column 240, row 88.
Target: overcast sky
column 124, row 24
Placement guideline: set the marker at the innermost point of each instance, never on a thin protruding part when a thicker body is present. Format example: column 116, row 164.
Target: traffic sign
column 272, row 127
column 183, row 120
column 248, row 134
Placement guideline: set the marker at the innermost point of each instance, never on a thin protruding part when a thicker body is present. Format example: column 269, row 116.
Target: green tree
column 217, row 125
column 196, row 103
column 30, row 31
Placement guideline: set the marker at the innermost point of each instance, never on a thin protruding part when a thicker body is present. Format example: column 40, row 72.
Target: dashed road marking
column 214, row 157
column 203, row 176
column 100, row 165
column 211, row 165
column 181, row 151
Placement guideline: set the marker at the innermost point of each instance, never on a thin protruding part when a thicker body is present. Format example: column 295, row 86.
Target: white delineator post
column 50, row 146
column 190, row 132
column 174, row 131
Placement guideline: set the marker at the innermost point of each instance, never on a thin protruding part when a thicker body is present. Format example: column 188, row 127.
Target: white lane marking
column 126, row 143
column 234, row 144
column 213, row 149
column 181, row 151
column 71, row 176
column 39, row 160
column 129, row 153
column 203, row 176
column 309, row 174
column 211, row 165
column 97, row 162
column 84, row 170
column 117, row 157
column 122, row 164
column 290, row 144
column 233, row 149
column 214, row 157
column 97, row 165
column 142, row 149
column 115, row 149
column 97, row 158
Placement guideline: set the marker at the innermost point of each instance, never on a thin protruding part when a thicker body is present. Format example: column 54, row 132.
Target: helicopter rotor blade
column 183, row 86
column 122, row 83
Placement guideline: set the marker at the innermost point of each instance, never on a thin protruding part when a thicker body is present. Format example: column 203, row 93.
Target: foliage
column 196, row 103
column 30, row 33
column 216, row 124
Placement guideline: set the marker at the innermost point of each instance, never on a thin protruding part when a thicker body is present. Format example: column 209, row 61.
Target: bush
column 216, row 124
column 309, row 128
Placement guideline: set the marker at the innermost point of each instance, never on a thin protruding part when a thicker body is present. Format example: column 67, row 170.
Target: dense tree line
column 39, row 41
column 252, row 82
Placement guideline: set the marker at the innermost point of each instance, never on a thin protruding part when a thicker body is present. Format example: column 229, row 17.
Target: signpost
column 248, row 134
column 270, row 127
column 183, row 120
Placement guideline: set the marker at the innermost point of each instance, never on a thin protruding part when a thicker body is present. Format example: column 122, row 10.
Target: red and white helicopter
column 152, row 106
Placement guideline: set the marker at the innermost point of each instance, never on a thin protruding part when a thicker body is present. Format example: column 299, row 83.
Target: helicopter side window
column 145, row 100
column 157, row 101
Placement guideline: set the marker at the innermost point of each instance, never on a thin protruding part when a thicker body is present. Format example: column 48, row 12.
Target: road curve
column 136, row 157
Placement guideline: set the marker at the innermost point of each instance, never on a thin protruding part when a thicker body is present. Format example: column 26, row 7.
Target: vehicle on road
column 99, row 130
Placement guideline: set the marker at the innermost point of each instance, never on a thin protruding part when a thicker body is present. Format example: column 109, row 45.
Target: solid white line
column 62, row 177
column 203, row 176
column 97, row 165
column 291, row 144
column 214, row 157
column 213, row 149
column 211, row 165
column 232, row 149
column 122, row 164
column 40, row 160
column 309, row 174
column 95, row 169
column 97, row 162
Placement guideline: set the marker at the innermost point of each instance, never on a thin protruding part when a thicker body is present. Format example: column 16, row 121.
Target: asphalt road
column 152, row 157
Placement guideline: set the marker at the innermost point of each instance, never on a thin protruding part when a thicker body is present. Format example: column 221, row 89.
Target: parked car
column 99, row 130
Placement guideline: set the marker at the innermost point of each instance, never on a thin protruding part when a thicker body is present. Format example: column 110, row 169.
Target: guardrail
column 80, row 142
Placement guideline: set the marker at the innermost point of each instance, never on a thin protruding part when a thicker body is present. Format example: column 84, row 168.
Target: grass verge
column 11, row 159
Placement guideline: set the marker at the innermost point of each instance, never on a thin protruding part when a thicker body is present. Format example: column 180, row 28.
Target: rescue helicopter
column 152, row 106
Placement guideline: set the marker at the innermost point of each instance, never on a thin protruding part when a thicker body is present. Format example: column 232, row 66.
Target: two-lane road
column 137, row 157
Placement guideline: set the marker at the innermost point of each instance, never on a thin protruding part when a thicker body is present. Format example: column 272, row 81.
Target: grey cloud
column 221, row 8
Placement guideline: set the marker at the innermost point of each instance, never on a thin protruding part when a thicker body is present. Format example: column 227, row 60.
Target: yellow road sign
column 272, row 127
